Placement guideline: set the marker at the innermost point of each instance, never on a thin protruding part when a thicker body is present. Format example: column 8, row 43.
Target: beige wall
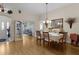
column 66, row 12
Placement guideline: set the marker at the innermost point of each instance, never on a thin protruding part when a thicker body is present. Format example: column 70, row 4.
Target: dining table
column 55, row 36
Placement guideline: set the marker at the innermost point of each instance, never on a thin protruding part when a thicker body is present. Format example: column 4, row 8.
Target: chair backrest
column 73, row 36
column 64, row 35
column 46, row 35
column 38, row 34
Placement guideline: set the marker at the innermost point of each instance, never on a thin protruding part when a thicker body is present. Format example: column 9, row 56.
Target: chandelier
column 5, row 10
column 1, row 8
column 46, row 24
column 46, row 16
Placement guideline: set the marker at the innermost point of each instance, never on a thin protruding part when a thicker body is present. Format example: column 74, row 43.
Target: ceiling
column 35, row 8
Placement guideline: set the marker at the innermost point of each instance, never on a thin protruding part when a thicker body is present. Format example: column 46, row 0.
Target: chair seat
column 48, row 40
column 56, row 40
column 39, row 37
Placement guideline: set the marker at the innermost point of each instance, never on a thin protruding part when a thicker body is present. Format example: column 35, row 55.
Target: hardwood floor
column 28, row 46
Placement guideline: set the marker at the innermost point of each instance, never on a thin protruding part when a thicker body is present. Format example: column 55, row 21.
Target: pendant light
column 46, row 17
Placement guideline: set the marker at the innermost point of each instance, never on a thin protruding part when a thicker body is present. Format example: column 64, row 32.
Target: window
column 2, row 24
column 41, row 26
column 7, row 25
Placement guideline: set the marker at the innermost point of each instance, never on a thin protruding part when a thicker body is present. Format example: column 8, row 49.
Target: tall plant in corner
column 70, row 21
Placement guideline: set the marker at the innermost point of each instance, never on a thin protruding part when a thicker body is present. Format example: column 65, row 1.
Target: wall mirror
column 57, row 23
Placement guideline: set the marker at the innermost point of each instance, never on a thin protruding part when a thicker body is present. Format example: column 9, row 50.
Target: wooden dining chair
column 63, row 38
column 38, row 37
column 46, row 38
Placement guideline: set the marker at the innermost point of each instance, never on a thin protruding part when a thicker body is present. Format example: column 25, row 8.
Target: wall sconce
column 19, row 11
column 9, row 11
column 70, row 21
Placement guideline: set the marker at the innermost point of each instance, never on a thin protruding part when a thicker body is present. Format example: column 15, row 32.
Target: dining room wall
column 71, row 10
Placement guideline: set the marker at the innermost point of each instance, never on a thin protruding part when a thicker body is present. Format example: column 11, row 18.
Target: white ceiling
column 35, row 8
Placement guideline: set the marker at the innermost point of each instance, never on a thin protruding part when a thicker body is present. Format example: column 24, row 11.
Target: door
column 4, row 28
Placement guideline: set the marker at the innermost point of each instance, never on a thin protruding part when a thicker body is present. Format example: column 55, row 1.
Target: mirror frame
column 56, row 20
